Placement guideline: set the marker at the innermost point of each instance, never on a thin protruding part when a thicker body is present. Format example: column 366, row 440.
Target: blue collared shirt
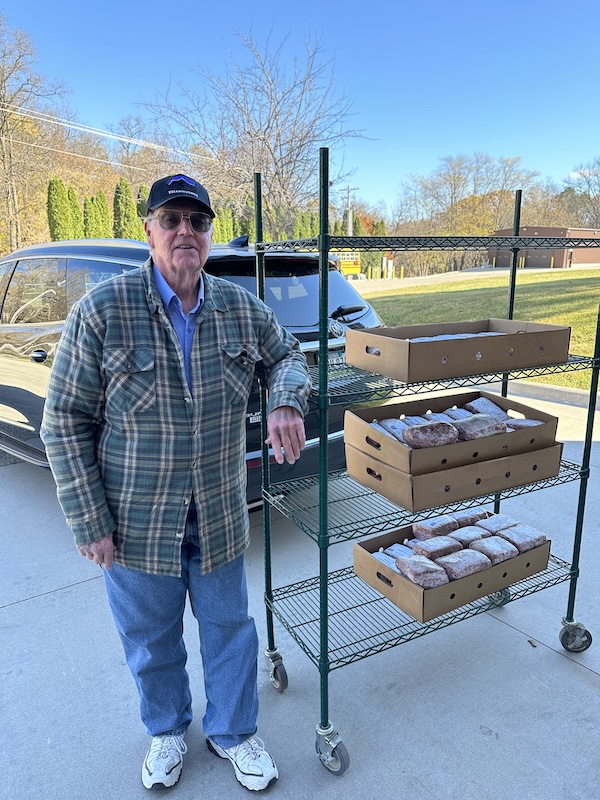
column 183, row 324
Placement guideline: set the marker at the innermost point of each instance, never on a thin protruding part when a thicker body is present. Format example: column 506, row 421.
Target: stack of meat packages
column 454, row 545
column 477, row 419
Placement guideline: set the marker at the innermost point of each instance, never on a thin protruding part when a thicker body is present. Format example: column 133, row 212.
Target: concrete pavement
column 492, row 708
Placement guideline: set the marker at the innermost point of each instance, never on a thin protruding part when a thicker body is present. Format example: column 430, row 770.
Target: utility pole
column 349, row 211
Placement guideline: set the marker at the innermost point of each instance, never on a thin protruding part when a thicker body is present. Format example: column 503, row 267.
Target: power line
column 41, row 116
column 70, row 153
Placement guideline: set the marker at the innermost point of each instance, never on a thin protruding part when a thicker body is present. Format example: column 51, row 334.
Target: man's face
column 180, row 249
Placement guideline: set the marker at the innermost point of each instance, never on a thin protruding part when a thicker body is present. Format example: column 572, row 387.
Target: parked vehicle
column 38, row 285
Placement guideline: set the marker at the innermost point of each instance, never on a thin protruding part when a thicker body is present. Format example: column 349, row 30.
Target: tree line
column 269, row 114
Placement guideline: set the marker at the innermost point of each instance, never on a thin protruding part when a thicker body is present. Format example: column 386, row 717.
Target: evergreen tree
column 235, row 224
column 76, row 214
column 379, row 228
column 247, row 226
column 60, row 219
column 337, row 228
column 357, row 226
column 142, row 199
column 297, row 228
column 227, row 224
column 126, row 223
column 217, row 230
column 105, row 230
column 91, row 219
column 314, row 223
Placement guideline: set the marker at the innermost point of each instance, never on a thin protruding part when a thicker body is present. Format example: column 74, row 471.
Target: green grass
column 565, row 298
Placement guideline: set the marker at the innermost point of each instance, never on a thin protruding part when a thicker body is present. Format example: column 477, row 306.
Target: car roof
column 111, row 248
column 131, row 250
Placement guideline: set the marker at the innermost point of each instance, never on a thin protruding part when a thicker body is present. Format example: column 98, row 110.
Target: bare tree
column 21, row 90
column 467, row 195
column 268, row 116
column 586, row 183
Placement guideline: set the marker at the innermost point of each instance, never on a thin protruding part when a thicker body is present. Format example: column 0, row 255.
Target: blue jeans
column 148, row 612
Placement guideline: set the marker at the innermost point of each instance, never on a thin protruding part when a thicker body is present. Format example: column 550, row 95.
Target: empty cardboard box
column 502, row 345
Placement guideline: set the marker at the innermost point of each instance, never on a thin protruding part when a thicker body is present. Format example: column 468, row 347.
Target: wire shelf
column 355, row 511
column 407, row 243
column 346, row 384
column 363, row 622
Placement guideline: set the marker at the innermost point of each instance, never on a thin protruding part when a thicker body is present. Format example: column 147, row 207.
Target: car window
column 84, row 273
column 5, row 270
column 36, row 292
column 295, row 299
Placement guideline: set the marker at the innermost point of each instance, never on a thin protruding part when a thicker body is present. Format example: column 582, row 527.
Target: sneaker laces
column 162, row 746
column 248, row 753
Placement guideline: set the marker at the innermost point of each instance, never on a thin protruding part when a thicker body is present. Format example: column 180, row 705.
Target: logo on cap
column 178, row 178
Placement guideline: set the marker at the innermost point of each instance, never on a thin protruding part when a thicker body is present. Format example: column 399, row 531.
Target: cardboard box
column 389, row 351
column 433, row 489
column 425, row 604
column 360, row 434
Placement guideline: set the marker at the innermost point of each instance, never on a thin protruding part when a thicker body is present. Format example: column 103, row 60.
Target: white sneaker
column 254, row 767
column 163, row 762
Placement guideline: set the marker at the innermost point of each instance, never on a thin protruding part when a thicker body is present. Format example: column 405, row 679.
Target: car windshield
column 295, row 298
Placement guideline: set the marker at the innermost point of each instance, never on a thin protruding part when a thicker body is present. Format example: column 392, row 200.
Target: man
column 144, row 427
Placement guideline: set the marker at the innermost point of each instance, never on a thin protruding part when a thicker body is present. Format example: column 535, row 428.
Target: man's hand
column 100, row 552
column 286, row 434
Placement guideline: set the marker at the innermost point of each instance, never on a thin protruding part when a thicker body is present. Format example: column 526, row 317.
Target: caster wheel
column 575, row 639
column 500, row 598
column 279, row 678
column 338, row 762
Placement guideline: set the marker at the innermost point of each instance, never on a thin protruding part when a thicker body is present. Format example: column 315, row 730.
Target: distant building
column 560, row 258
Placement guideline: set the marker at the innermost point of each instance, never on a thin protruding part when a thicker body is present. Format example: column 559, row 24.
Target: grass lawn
column 559, row 298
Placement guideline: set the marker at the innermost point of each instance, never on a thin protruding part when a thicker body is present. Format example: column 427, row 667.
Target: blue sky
column 427, row 78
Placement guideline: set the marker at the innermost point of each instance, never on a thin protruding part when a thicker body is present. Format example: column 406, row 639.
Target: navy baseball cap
column 175, row 187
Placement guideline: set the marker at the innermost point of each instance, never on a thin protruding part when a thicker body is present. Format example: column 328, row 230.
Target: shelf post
column 585, row 474
column 515, row 254
column 323, row 405
column 266, row 476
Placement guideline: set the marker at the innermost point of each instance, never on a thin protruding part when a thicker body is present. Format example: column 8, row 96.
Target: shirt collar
column 167, row 294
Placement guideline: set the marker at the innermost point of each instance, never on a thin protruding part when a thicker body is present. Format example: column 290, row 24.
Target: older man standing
column 144, row 427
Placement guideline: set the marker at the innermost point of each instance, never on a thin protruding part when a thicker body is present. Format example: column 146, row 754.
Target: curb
column 552, row 394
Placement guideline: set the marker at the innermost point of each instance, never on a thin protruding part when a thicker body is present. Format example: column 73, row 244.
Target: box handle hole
column 373, row 443
column 374, row 474
column 373, row 351
column 385, row 579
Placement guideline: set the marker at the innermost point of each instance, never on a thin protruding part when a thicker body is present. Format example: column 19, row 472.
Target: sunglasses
column 170, row 219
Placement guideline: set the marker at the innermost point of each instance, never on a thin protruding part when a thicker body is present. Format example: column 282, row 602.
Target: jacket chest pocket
column 130, row 379
column 239, row 363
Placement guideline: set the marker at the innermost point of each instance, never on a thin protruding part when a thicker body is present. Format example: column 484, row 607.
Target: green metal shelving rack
column 335, row 618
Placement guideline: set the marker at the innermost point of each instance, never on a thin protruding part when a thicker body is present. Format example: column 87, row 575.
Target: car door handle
column 39, row 356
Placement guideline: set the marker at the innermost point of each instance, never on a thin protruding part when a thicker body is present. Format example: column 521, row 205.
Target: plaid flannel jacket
column 128, row 443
